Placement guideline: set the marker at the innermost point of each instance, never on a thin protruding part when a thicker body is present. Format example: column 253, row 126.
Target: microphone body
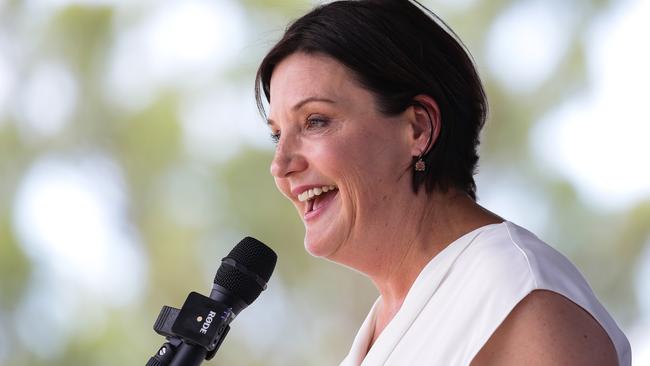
column 189, row 355
column 195, row 332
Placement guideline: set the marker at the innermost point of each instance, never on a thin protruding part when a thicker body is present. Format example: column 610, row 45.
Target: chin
column 315, row 248
column 320, row 247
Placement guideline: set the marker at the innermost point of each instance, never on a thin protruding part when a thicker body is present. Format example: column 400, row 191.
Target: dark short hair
column 398, row 49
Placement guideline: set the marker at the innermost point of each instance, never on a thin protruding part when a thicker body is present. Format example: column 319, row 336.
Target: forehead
column 301, row 76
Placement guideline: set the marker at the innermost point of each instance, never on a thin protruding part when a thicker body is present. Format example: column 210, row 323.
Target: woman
column 376, row 111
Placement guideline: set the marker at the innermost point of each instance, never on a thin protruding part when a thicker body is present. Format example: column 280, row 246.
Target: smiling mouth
column 318, row 197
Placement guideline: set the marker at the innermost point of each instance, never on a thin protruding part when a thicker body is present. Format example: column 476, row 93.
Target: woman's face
column 341, row 162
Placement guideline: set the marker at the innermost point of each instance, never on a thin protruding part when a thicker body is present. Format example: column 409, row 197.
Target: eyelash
column 312, row 122
column 275, row 137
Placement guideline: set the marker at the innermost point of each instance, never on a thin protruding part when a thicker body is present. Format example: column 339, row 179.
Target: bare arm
column 546, row 328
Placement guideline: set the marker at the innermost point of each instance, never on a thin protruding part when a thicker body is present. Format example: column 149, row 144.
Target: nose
column 288, row 158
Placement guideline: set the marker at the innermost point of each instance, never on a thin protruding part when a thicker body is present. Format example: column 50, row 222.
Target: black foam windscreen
column 254, row 265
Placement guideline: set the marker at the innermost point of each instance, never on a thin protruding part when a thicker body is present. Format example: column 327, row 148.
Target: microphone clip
column 201, row 321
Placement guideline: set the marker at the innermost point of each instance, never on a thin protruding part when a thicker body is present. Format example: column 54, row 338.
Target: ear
column 424, row 119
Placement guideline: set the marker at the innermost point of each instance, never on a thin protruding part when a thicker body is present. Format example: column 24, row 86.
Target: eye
column 275, row 137
column 316, row 121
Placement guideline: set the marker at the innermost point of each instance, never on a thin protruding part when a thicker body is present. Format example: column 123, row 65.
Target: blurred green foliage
column 238, row 196
column 14, row 267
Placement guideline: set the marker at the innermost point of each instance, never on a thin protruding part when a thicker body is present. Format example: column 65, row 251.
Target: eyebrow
column 301, row 103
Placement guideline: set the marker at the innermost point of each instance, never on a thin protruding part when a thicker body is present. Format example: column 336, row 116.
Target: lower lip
column 312, row 215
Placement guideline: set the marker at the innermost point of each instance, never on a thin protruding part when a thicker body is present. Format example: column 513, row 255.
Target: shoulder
column 546, row 328
column 501, row 255
column 514, row 251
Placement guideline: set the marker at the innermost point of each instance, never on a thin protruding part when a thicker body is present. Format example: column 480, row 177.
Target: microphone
column 195, row 332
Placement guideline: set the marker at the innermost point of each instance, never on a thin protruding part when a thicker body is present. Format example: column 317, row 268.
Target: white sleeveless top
column 464, row 293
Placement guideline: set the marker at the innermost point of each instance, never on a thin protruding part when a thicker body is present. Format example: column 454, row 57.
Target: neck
column 418, row 236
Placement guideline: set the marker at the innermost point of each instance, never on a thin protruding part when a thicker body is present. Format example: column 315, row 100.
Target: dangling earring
column 420, row 166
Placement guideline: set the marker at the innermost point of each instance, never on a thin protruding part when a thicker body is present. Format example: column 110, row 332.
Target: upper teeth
column 311, row 193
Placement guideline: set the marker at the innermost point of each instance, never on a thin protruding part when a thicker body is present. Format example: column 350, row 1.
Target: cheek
column 283, row 186
column 370, row 177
